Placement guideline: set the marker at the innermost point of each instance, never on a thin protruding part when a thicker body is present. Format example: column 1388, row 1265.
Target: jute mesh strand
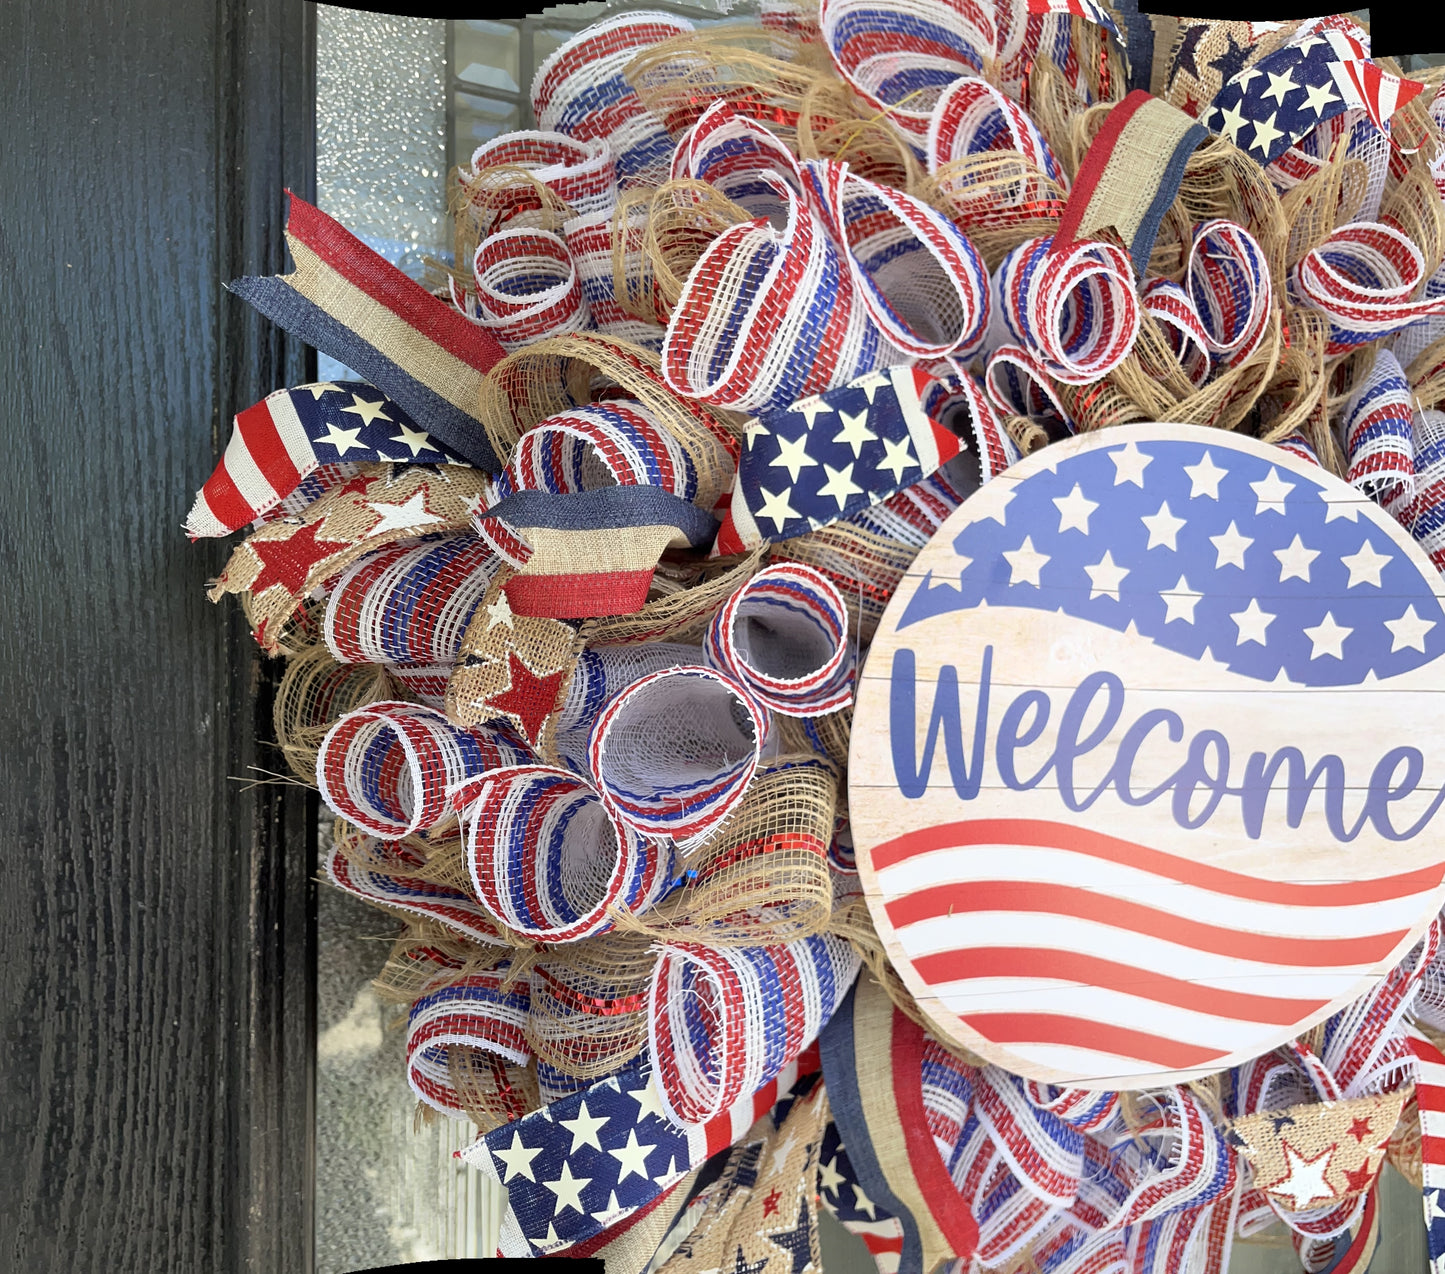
column 315, row 690
column 762, row 879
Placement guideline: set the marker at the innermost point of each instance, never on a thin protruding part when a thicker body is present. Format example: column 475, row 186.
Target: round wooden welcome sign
column 1149, row 757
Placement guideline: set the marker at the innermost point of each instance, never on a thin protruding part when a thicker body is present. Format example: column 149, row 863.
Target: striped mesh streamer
column 1427, row 513
column 387, row 767
column 901, row 55
column 552, row 1084
column 1362, row 277
column 616, row 443
column 770, row 315
column 971, row 117
column 1173, row 309
column 474, row 1012
column 674, row 751
column 730, row 152
column 722, row 1022
column 1229, row 282
column 580, row 91
column 920, row 279
column 1298, row 445
column 527, row 287
column 1074, row 309
column 784, row 635
column 1378, row 432
column 1017, row 383
column 410, row 603
column 1045, row 1152
column 411, row 896
column 1423, row 333
column 580, row 173
column 427, row 683
column 1025, row 38
column 601, row 672
column 548, row 860
column 310, row 489
column 590, row 241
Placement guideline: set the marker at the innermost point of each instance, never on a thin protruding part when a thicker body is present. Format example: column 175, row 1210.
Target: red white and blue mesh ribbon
column 525, row 287
column 1379, row 436
column 972, row 117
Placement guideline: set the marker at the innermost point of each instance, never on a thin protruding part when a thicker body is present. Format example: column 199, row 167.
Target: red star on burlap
column 1360, row 1129
column 770, row 1204
column 529, row 698
column 1359, row 1180
column 288, row 562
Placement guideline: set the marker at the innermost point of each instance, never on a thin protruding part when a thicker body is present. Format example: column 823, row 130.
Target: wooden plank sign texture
column 1148, row 757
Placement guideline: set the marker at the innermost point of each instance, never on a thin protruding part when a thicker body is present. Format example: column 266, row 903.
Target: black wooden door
column 155, row 954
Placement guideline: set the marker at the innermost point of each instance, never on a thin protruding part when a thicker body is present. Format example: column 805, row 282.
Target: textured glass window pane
column 487, row 54
column 478, row 120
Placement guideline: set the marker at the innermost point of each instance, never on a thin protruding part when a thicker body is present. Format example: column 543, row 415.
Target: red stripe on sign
column 1085, row 904
column 1043, row 834
column 268, row 452
column 225, row 501
column 383, row 282
column 1070, row 966
column 1073, row 1032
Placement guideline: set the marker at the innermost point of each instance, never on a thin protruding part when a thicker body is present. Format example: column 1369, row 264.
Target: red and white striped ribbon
column 1075, row 309
column 548, row 860
column 972, row 117
column 580, row 173
column 784, row 635
column 729, row 151
column 1017, row 383
column 1172, row 308
column 723, row 1021
column 526, row 287
column 408, row 604
column 672, row 753
column 387, row 767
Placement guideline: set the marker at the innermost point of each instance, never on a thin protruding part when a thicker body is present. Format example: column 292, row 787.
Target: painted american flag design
column 1131, row 808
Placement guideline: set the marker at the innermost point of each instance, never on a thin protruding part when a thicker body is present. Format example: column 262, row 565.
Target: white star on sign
column 811, row 409
column 755, row 430
column 322, row 387
column 417, row 439
column 1251, row 621
column 1105, row 576
column 647, row 1101
column 584, row 1128
column 518, row 1159
column 777, row 506
column 1265, row 134
column 840, row 484
column 400, row 517
column 1204, row 477
column 855, row 432
column 829, row 1178
column 1280, row 87
column 793, row 456
column 1179, row 602
column 1129, row 464
column 1364, row 566
column 1348, row 508
column 632, row 1157
column 1327, row 638
column 1294, row 561
column 1318, row 96
column 1074, row 510
column 342, row 439
column 368, row 411
column 1230, row 547
column 1271, row 491
column 898, row 457
column 1163, row 527
column 1304, row 1181
column 568, row 1188
column 1026, row 562
column 1003, row 496
column 500, row 612
column 1409, row 631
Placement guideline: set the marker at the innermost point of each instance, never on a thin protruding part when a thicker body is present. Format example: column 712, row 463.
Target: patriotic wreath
column 572, row 589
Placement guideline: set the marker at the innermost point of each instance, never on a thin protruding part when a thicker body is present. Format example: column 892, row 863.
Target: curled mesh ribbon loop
column 387, row 767
column 784, row 635
column 673, row 753
column 1017, row 383
column 408, row 604
column 1362, row 277
column 722, row 1022
column 971, row 117
column 898, row 57
column 731, row 152
column 1173, row 309
column 920, row 279
column 1075, row 309
column 1427, row 512
column 580, row 173
column 474, row 1012
column 527, row 288
column 1379, row 437
column 580, row 90
column 1229, row 281
column 589, row 239
column 770, row 315
column 548, row 859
